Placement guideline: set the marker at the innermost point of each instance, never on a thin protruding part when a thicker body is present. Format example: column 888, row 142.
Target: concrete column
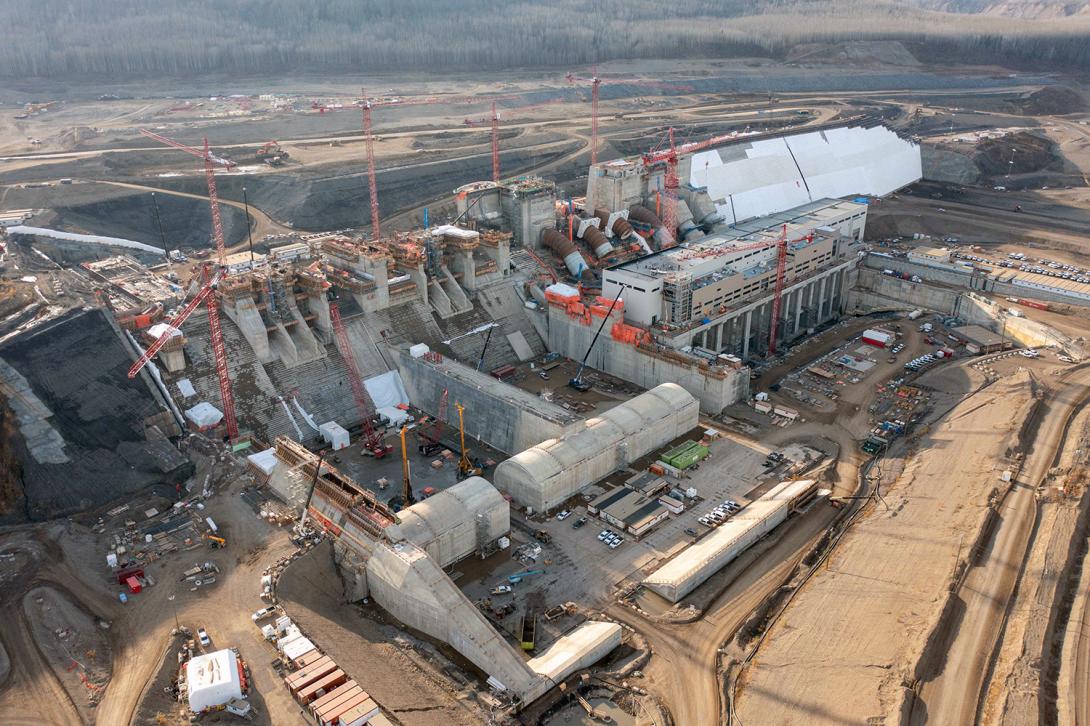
column 798, row 309
column 421, row 279
column 821, row 300
column 464, row 260
column 745, row 333
column 719, row 337
column 319, row 306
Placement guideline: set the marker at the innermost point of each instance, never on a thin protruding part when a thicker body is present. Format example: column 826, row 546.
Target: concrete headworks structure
column 632, row 354
column 544, row 476
column 397, row 559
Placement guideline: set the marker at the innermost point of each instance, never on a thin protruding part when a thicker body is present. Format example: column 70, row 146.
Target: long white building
column 683, row 574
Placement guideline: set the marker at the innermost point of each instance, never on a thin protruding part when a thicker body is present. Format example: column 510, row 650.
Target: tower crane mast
column 372, row 441
column 372, row 184
column 780, row 244
column 210, row 163
column 595, row 93
column 219, row 351
column 207, row 295
column 494, row 122
column 369, row 105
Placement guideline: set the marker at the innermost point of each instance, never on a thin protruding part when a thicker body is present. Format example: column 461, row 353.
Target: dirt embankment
column 11, row 471
column 864, row 619
column 1051, row 101
column 74, row 644
column 1018, row 153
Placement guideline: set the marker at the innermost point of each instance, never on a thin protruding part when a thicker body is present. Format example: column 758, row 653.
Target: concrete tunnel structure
column 397, row 559
column 455, row 522
column 544, row 476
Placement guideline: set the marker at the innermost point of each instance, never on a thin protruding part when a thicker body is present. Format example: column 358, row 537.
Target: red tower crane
column 781, row 271
column 671, row 180
column 595, row 82
column 372, row 441
column 494, row 120
column 210, row 162
column 372, row 184
column 369, row 104
column 207, row 295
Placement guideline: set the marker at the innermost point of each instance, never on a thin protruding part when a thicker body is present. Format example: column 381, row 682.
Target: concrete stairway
column 506, row 308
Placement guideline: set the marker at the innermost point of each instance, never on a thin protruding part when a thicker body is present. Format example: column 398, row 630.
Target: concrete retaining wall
column 504, row 417
column 877, row 291
column 969, row 280
column 571, row 337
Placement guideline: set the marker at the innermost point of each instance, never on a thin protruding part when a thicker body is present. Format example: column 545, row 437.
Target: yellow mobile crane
column 406, row 479
column 465, row 466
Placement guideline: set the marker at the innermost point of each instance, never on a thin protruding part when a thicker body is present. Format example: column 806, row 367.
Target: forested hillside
column 122, row 38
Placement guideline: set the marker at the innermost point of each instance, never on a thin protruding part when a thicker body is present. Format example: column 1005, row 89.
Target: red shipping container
column 134, row 585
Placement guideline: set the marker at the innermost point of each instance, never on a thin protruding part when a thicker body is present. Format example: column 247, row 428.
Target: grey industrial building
column 716, row 293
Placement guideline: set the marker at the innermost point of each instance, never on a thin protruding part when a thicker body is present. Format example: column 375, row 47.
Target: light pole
column 175, row 607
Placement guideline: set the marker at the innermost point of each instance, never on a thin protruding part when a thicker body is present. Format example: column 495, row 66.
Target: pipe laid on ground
column 565, row 250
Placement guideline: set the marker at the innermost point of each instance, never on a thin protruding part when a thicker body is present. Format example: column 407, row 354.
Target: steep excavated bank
column 82, row 425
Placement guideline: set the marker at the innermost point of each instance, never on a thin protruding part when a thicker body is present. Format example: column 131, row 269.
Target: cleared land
column 844, row 650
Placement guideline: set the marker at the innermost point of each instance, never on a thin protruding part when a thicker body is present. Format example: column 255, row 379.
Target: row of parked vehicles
column 720, row 514
column 610, row 538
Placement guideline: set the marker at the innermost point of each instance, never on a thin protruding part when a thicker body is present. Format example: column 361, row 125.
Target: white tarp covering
column 294, row 424
column 92, row 238
column 396, row 415
column 264, row 460
column 335, row 435
column 212, row 680
column 185, row 387
column 559, row 288
column 387, row 390
column 753, row 178
column 297, row 647
column 302, row 412
column 419, row 350
column 156, row 331
column 204, row 414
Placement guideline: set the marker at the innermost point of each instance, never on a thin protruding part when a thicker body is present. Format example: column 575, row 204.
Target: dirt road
column 954, row 695
column 862, row 619
column 686, row 656
column 263, row 223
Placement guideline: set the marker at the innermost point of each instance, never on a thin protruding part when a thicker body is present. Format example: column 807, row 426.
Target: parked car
column 579, row 523
column 202, row 636
column 603, row 534
column 690, row 531
column 563, row 515
column 263, row 613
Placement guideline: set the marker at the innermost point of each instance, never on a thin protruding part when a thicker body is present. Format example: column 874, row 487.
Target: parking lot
column 575, row 565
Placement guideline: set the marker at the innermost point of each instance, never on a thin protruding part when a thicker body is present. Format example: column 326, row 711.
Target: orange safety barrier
column 623, row 333
column 561, row 299
column 606, row 302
